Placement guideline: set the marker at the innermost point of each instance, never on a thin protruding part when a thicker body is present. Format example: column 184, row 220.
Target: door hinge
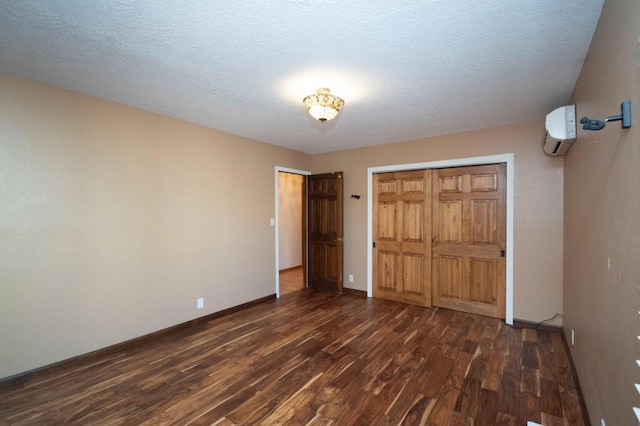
column 501, row 253
column 374, row 244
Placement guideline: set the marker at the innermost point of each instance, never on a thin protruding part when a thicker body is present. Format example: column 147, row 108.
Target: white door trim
column 279, row 169
column 457, row 162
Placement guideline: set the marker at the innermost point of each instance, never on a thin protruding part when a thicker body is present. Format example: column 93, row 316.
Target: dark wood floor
column 317, row 358
column 291, row 280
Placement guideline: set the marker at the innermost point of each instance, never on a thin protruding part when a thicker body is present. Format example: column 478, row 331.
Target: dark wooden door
column 325, row 231
column 402, row 235
column 469, row 239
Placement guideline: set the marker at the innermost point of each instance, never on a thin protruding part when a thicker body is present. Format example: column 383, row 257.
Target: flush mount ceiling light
column 322, row 105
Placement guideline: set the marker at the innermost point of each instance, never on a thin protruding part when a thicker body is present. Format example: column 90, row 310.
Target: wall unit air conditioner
column 560, row 132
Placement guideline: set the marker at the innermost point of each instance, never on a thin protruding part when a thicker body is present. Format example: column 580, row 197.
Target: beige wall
column 602, row 221
column 537, row 205
column 114, row 220
column 289, row 219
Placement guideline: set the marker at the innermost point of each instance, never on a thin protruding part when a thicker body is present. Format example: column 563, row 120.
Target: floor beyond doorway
column 291, row 280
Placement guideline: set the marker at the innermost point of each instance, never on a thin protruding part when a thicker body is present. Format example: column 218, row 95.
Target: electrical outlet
column 573, row 337
column 350, row 278
column 200, row 303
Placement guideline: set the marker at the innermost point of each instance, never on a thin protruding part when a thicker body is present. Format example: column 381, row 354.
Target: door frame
column 279, row 169
column 507, row 158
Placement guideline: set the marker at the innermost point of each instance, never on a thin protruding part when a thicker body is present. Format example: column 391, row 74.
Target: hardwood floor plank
column 445, row 403
column 529, row 335
column 546, row 369
column 401, row 405
column 469, row 398
column 571, row 410
column 315, row 358
column 419, row 411
column 529, row 409
column 291, row 280
column 530, row 354
column 439, row 369
column 550, row 398
column 488, row 407
column 460, row 370
column 458, row 419
column 469, row 346
column 495, row 363
column 480, row 358
column 510, row 386
column 549, row 420
column 530, row 381
column 504, row 419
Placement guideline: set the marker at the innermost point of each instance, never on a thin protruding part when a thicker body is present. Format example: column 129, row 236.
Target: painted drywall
column 290, row 219
column 113, row 221
column 602, row 221
column 537, row 205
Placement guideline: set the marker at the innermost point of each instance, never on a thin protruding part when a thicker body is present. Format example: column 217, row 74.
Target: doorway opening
column 473, row 161
column 322, row 229
column 290, row 230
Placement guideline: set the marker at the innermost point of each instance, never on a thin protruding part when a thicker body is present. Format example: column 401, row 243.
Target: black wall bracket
column 625, row 117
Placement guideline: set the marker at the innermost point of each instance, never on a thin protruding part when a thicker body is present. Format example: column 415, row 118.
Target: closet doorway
column 442, row 236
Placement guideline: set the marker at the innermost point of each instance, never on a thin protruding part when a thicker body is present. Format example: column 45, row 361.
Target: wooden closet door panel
column 402, row 236
column 469, row 239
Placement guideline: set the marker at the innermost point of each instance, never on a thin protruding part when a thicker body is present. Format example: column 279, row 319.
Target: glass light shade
column 322, row 105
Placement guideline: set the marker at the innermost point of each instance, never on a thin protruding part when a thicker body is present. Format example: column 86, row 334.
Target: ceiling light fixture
column 322, row 105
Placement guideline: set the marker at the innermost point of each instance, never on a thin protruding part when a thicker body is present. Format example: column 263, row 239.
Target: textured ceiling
column 406, row 69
